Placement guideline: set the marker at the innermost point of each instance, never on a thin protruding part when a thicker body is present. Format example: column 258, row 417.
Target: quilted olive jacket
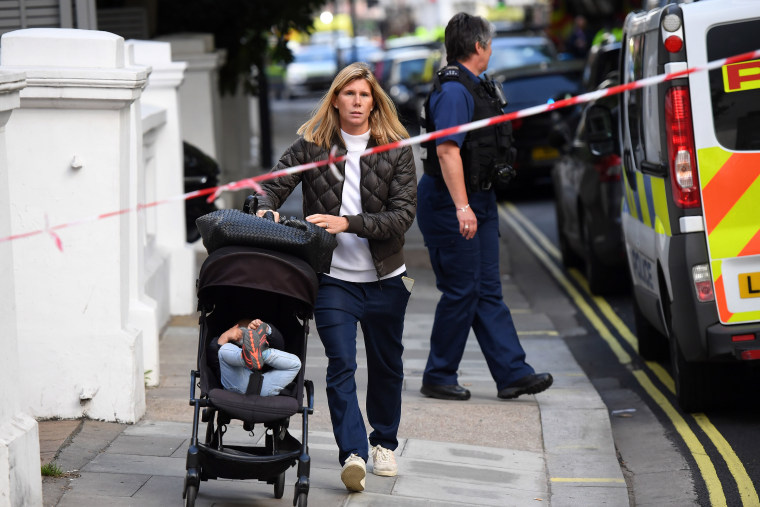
column 388, row 187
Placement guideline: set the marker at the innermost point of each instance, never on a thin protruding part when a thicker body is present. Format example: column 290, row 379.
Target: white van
column 691, row 206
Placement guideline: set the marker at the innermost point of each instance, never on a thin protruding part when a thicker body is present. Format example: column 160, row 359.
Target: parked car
column 313, row 68
column 357, row 49
column 527, row 87
column 588, row 195
column 602, row 60
column 406, row 74
column 513, row 51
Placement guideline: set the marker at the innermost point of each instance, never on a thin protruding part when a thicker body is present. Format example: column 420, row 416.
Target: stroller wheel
column 279, row 486
column 301, row 500
column 190, row 493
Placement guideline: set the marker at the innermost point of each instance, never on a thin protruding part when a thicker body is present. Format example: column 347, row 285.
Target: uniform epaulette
column 449, row 73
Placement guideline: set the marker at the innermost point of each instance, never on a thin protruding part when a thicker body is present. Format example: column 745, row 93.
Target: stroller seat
column 252, row 408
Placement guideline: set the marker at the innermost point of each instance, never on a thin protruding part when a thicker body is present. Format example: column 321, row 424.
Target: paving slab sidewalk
column 554, row 448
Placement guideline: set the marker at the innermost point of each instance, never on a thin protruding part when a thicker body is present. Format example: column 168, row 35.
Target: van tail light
column 703, row 282
column 749, row 355
column 672, row 32
column 609, row 168
column 673, row 44
column 683, row 166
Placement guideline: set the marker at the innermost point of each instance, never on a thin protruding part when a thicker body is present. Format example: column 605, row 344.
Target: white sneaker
column 383, row 461
column 353, row 473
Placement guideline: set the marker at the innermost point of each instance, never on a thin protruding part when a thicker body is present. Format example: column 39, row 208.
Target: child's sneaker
column 383, row 461
column 254, row 343
column 353, row 473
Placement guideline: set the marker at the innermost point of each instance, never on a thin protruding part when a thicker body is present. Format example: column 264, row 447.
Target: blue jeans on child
column 235, row 374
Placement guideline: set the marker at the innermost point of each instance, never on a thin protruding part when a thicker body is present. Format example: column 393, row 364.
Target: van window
column 634, row 70
column 735, row 89
column 651, row 104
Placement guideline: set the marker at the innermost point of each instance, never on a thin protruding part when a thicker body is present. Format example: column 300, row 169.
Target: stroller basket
column 237, row 281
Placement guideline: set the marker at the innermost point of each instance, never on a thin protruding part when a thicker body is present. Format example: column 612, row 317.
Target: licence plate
column 544, row 153
column 749, row 285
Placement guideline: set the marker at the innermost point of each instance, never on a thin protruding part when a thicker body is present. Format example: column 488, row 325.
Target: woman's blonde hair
column 324, row 123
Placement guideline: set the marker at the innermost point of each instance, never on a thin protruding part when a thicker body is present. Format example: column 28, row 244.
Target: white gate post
column 161, row 92
column 199, row 93
column 20, row 481
column 71, row 162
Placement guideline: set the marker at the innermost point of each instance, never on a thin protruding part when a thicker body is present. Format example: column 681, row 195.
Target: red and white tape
column 254, row 182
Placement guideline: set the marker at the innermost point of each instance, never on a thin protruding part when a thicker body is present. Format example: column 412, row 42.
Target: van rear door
column 726, row 109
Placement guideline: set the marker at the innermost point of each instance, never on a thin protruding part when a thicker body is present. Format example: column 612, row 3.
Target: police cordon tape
column 253, row 183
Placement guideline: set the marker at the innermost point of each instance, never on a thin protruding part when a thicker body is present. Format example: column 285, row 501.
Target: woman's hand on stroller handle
column 274, row 215
column 331, row 223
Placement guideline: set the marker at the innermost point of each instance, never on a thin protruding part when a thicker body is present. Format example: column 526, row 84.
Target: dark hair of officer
column 462, row 33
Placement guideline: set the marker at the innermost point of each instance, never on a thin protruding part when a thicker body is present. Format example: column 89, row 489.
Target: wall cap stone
column 62, row 47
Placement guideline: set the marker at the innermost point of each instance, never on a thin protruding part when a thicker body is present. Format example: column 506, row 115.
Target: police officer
column 457, row 214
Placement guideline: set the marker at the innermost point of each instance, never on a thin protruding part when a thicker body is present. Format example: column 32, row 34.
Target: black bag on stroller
column 279, row 288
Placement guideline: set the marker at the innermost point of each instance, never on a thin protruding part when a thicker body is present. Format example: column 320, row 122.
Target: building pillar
column 162, row 93
column 200, row 115
column 20, row 481
column 71, row 160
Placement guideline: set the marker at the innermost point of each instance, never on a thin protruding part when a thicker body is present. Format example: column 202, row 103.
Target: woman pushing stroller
column 369, row 210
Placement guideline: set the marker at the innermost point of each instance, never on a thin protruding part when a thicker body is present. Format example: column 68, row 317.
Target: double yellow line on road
column 549, row 256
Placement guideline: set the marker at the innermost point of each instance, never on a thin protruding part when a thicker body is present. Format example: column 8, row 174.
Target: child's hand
column 232, row 335
column 254, row 324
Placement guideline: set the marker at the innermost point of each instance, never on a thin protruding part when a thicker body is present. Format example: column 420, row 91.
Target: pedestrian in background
column 369, row 210
column 577, row 43
column 459, row 220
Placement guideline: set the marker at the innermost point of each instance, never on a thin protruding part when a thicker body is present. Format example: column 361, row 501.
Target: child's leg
column 285, row 368
column 232, row 368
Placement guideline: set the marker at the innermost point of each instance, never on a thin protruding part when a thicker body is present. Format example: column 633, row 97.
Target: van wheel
column 696, row 383
column 653, row 345
column 600, row 278
column 694, row 389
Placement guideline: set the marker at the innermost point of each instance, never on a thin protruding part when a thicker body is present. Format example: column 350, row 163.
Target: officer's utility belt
column 475, row 181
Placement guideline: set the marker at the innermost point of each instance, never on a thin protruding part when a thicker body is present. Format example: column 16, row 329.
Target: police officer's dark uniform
column 467, row 271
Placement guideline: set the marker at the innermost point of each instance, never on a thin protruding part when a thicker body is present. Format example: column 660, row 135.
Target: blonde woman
column 369, row 210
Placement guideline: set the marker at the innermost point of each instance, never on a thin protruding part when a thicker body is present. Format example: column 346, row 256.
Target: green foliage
column 251, row 31
column 51, row 470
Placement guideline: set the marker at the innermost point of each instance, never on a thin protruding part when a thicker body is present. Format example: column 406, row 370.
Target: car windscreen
column 519, row 52
column 412, row 71
column 735, row 88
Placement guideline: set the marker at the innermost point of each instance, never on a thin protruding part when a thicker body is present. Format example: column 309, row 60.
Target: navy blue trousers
column 379, row 308
column 467, row 274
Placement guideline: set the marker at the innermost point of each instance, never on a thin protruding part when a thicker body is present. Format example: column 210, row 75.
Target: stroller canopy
column 259, row 269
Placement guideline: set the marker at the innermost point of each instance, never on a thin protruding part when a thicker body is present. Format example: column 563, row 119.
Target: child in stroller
column 252, row 348
column 230, row 284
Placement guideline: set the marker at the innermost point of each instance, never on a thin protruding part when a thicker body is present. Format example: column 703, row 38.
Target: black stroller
column 281, row 288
